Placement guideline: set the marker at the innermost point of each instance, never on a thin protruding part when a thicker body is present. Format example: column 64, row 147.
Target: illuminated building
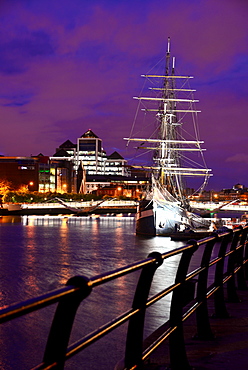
column 89, row 159
column 89, row 154
column 83, row 167
column 20, row 172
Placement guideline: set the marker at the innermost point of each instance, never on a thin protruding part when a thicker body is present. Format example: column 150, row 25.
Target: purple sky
column 70, row 65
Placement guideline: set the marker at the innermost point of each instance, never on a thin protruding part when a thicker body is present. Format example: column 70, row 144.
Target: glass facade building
column 89, row 155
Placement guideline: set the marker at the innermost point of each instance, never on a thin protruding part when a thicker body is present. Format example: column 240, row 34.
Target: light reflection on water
column 39, row 254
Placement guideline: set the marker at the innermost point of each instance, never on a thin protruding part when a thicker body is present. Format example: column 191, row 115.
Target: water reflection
column 10, row 219
column 64, row 248
column 30, row 260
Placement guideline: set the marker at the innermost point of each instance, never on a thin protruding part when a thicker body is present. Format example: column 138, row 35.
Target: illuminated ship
column 177, row 154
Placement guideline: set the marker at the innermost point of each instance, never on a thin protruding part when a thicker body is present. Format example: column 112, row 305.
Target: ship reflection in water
column 39, row 254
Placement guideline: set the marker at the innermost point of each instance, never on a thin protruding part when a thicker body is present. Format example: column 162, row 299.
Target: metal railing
column 230, row 268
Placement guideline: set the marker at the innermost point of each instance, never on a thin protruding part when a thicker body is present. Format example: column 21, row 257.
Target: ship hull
column 145, row 221
column 153, row 219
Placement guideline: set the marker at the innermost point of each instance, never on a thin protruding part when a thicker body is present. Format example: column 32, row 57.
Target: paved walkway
column 227, row 351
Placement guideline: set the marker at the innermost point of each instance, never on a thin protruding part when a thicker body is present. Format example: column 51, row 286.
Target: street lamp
column 30, row 185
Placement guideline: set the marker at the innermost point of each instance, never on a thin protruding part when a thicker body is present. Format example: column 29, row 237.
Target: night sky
column 70, row 65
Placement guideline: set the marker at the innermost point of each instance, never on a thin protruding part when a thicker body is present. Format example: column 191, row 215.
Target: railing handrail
column 78, row 288
column 24, row 307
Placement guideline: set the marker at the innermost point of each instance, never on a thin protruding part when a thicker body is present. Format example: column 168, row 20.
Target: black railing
column 191, row 291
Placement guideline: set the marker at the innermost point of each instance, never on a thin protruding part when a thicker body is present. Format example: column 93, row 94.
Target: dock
column 60, row 207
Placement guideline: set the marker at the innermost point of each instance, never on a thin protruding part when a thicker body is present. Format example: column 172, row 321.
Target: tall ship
column 177, row 154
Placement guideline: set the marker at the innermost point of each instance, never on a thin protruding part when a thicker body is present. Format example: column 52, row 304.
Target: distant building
column 36, row 173
column 93, row 170
column 83, row 167
column 89, row 154
column 116, row 185
column 238, row 187
column 238, row 193
column 55, row 175
column 20, row 172
column 116, row 165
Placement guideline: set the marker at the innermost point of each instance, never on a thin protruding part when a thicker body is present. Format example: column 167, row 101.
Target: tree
column 5, row 186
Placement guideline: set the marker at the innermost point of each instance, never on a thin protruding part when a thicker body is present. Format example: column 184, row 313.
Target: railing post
column 219, row 299
column 204, row 330
column 178, row 356
column 62, row 323
column 246, row 256
column 240, row 260
column 134, row 342
column 232, row 260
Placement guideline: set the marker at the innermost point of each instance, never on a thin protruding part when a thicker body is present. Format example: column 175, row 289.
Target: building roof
column 62, row 153
column 68, row 144
column 115, row 155
column 43, row 158
column 89, row 133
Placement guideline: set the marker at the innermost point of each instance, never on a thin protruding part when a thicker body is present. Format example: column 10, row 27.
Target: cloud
column 72, row 65
column 17, row 53
column 238, row 158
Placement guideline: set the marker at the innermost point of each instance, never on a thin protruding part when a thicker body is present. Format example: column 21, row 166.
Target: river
column 39, row 254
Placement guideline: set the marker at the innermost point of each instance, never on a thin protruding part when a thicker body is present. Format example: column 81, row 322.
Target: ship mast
column 168, row 156
column 169, row 146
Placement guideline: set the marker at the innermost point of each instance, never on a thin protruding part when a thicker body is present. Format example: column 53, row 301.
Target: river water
column 39, row 254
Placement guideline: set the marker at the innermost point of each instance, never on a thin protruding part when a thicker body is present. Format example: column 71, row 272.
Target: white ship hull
column 163, row 220
column 154, row 219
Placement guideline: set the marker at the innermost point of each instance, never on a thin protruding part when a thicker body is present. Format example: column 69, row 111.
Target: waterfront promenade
column 229, row 348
